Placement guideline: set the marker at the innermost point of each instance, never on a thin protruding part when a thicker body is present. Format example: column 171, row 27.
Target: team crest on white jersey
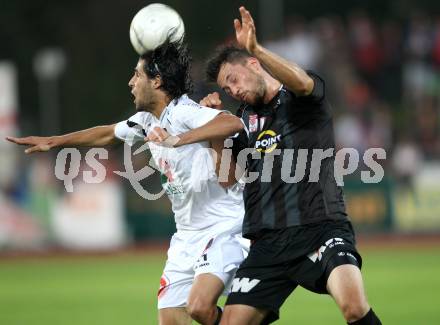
column 167, row 178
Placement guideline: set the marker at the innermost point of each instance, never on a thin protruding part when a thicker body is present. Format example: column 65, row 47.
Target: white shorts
column 196, row 252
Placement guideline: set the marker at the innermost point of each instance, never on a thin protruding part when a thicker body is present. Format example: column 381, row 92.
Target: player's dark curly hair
column 230, row 54
column 172, row 62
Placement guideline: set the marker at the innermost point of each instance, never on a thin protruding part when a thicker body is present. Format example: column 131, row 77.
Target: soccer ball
column 152, row 25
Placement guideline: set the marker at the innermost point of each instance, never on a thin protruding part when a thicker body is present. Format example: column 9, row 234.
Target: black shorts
column 280, row 260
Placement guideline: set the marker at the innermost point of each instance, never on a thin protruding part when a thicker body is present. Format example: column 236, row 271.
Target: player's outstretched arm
column 94, row 137
column 222, row 126
column 288, row 73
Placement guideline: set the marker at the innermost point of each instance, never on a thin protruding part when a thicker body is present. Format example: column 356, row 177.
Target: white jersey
column 188, row 172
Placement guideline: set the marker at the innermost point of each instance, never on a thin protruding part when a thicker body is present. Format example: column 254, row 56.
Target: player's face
column 242, row 82
column 141, row 88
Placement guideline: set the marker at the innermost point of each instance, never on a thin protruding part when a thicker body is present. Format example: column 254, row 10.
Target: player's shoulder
column 141, row 118
column 181, row 106
column 177, row 112
column 185, row 108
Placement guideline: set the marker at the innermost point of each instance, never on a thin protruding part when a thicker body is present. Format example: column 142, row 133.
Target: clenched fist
column 212, row 100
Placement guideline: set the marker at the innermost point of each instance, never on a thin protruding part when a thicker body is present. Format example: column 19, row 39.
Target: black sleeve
column 312, row 107
column 239, row 140
column 318, row 92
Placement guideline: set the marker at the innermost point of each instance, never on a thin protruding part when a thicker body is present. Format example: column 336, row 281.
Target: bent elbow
column 306, row 87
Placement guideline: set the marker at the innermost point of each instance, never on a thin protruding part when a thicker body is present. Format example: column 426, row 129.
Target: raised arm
column 288, row 73
column 94, row 137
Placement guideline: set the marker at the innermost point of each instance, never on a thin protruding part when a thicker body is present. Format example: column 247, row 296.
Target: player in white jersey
column 198, row 200
column 207, row 247
column 208, row 217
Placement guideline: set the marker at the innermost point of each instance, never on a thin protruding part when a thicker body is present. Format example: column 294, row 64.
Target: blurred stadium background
column 95, row 256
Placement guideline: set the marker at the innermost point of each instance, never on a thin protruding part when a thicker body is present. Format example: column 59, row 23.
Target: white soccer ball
column 152, row 25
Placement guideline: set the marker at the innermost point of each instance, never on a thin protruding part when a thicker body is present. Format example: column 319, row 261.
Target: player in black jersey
column 300, row 231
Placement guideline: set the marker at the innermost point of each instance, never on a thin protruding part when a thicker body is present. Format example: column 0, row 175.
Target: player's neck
column 160, row 106
column 272, row 88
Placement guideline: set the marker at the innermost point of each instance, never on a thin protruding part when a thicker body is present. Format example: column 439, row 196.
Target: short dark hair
column 172, row 62
column 230, row 54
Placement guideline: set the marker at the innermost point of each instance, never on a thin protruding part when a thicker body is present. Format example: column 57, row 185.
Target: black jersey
column 287, row 130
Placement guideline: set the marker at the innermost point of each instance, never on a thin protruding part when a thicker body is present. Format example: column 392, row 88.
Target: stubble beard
column 259, row 92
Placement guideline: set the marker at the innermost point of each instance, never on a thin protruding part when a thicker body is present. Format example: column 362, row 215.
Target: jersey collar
column 173, row 103
column 270, row 107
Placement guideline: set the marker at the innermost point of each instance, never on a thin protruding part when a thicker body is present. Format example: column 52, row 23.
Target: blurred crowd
column 382, row 77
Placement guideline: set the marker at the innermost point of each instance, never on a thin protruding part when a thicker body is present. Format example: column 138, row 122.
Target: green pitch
column 402, row 285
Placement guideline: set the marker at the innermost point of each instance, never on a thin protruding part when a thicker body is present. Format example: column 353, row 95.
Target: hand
column 212, row 100
column 245, row 31
column 39, row 144
column 162, row 137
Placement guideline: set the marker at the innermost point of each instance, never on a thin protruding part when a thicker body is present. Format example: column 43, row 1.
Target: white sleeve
column 194, row 116
column 132, row 130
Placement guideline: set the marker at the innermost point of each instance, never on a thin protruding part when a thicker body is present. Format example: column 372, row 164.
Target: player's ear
column 157, row 82
column 253, row 63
